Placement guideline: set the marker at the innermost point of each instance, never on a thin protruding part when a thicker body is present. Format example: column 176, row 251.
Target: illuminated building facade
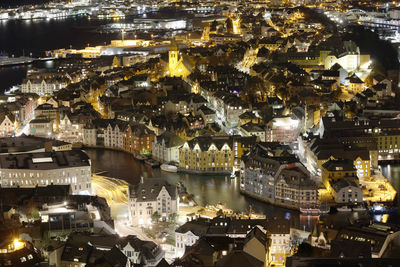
column 71, row 167
column 138, row 139
column 213, row 154
column 151, row 196
column 281, row 180
column 7, row 124
column 284, row 129
column 43, row 86
column 176, row 64
column 166, row 147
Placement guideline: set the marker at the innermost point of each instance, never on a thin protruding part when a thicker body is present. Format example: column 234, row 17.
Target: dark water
column 17, row 3
column 33, row 38
column 10, row 76
column 18, row 37
column 206, row 189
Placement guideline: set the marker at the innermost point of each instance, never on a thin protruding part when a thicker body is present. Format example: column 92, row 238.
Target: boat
column 316, row 210
column 168, row 168
column 151, row 162
column 310, row 211
column 140, row 157
column 359, row 208
column 10, row 61
column 381, row 209
column 343, row 209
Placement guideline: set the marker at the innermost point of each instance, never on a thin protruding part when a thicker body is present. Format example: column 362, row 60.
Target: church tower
column 173, row 58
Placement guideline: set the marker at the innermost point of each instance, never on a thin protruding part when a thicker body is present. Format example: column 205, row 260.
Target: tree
column 283, row 93
column 254, row 88
column 220, row 213
column 155, row 217
column 229, row 25
column 213, row 27
column 266, row 113
column 35, row 214
column 173, row 217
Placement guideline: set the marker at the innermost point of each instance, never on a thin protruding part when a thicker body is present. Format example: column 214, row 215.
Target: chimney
column 48, row 146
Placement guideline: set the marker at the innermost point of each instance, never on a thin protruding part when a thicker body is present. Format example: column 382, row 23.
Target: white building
column 113, row 134
column 44, row 168
column 252, row 129
column 188, row 234
column 70, row 130
column 295, row 188
column 166, row 147
column 7, row 125
column 42, row 86
column 105, row 133
column 346, row 191
column 151, row 196
column 41, row 127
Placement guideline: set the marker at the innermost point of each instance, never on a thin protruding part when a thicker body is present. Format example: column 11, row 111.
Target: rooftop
column 45, row 160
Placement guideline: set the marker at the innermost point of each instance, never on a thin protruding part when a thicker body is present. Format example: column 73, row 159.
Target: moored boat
column 168, row 168
column 151, row 162
column 140, row 157
column 359, row 208
column 316, row 210
column 344, row 209
column 381, row 209
column 310, row 211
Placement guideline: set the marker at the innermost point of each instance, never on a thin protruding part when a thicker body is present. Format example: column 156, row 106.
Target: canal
column 212, row 189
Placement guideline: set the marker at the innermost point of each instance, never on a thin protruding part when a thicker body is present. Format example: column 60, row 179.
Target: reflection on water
column 206, row 189
column 392, row 172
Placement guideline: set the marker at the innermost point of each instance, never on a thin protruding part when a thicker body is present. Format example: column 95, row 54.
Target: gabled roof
column 150, row 189
column 198, row 227
column 251, row 127
column 170, row 139
column 206, row 110
column 257, row 234
column 339, row 165
column 354, row 79
column 239, row 258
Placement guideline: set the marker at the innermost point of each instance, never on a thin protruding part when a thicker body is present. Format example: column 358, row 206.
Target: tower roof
column 173, row 46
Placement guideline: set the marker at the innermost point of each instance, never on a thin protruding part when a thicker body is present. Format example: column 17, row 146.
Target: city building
column 263, row 239
column 50, row 112
column 45, row 168
column 41, row 127
column 7, row 124
column 338, row 169
column 346, row 191
column 42, row 86
column 294, row 187
column 269, row 175
column 29, row 143
column 177, row 65
column 213, row 154
column 318, row 151
column 187, row 234
column 15, row 252
column 166, row 147
column 283, row 129
column 382, row 237
column 152, row 196
column 104, row 133
column 251, row 129
column 138, row 139
column 89, row 249
column 62, row 219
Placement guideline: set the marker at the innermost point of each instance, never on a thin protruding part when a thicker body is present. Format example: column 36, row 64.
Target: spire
column 173, row 46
